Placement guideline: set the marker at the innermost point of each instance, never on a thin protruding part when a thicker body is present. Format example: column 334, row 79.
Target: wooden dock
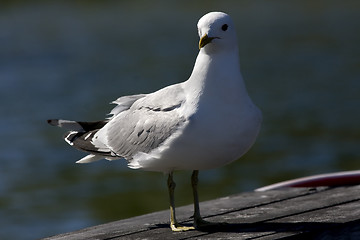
column 290, row 213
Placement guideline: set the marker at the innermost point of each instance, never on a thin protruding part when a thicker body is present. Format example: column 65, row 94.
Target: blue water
column 300, row 61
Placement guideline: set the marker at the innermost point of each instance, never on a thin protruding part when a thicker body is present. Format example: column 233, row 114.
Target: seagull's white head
column 216, row 32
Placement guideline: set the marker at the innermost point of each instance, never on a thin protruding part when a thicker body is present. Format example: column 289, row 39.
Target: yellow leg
column 199, row 222
column 175, row 226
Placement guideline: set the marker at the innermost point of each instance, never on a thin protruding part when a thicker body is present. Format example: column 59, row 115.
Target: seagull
column 205, row 122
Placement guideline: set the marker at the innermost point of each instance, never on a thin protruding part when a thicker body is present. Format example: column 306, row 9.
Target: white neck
column 215, row 73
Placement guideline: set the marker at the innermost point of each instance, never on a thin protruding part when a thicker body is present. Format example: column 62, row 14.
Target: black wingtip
column 53, row 122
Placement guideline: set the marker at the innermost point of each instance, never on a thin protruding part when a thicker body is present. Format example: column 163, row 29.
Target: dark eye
column 224, row 27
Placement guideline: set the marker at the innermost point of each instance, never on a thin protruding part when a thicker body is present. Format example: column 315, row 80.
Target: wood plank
column 300, row 212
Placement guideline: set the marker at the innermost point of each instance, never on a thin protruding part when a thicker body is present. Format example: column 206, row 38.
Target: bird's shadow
column 300, row 230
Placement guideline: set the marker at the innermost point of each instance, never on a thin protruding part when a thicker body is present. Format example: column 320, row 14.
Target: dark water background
column 300, row 61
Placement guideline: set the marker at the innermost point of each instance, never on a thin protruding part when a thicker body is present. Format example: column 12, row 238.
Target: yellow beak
column 204, row 40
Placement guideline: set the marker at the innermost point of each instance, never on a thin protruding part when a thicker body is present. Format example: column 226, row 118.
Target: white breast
column 222, row 122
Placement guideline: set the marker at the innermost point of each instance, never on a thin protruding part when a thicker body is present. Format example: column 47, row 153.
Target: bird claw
column 176, row 227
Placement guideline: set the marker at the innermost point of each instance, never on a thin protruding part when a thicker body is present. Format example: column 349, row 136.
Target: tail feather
column 80, row 137
column 90, row 158
column 83, row 141
column 77, row 126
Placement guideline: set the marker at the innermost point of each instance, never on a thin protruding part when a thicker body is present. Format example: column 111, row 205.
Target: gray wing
column 147, row 123
column 124, row 103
